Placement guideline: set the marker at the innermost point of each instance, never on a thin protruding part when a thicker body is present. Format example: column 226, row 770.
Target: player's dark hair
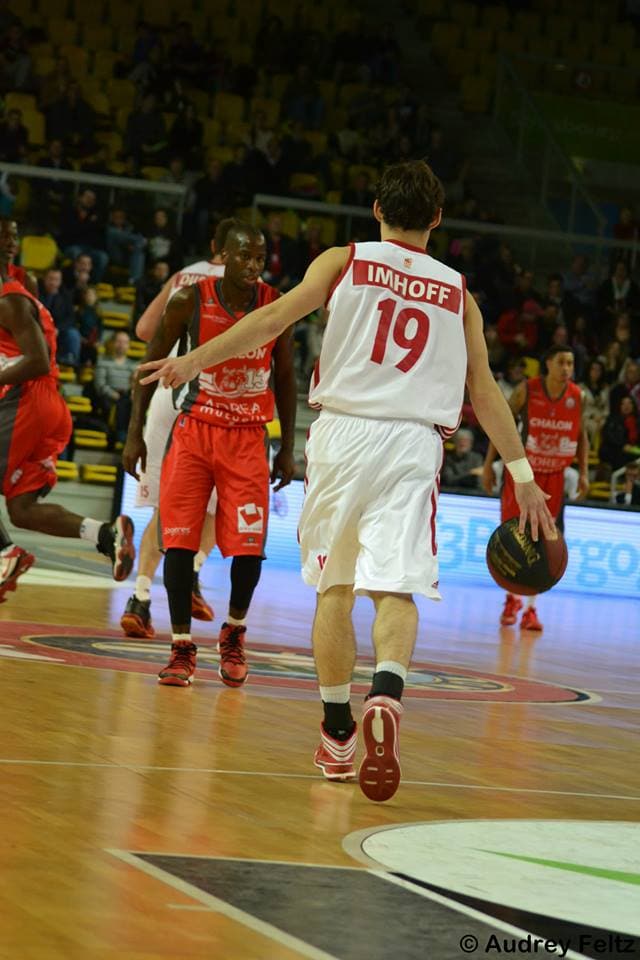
column 240, row 228
column 410, row 195
column 553, row 351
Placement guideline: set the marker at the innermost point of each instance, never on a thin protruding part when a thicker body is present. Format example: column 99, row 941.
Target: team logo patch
column 570, row 403
column 408, row 262
column 250, row 518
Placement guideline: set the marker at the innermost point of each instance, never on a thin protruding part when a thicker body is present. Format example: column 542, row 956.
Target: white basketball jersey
column 394, row 345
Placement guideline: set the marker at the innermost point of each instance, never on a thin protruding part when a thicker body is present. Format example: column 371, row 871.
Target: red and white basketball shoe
column 233, row 668
column 379, row 773
column 14, row 561
column 511, row 609
column 182, row 665
column 529, row 620
column 335, row 757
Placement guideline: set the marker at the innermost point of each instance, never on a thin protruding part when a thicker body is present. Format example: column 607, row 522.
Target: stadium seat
column 305, row 184
column 105, row 291
column 328, row 91
column 100, row 103
column 152, row 172
column 79, row 404
column 104, row 62
column 38, row 253
column 355, row 169
column 62, row 31
column 274, row 430
column 43, row 64
column 98, row 36
column 228, row 107
column 221, row 153
column 67, row 470
column 106, row 473
column 291, row 224
column 333, row 196
column 202, row 102
column 121, row 93
column 20, row 101
column 279, row 83
column 137, row 350
column 318, row 141
column 77, row 58
column 479, row 39
column 126, row 294
column 237, row 131
column 509, row 42
column 269, row 106
column 211, row 133
column 475, row 93
column 445, row 36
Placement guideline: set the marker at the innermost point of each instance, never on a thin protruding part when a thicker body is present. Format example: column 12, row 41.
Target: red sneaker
column 233, row 668
column 530, row 620
column 182, row 665
column 200, row 609
column 379, row 774
column 512, row 606
column 335, row 757
column 14, row 561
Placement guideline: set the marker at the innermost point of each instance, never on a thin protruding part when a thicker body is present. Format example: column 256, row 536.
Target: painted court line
column 139, row 768
column 217, row 905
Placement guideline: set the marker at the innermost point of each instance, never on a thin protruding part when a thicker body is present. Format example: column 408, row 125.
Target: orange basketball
column 521, row 565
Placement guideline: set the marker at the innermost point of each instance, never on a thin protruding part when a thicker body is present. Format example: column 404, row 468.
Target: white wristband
column 520, row 470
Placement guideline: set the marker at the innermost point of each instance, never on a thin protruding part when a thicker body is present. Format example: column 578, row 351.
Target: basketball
column 520, row 565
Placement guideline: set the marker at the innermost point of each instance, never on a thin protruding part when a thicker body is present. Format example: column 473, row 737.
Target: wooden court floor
column 148, row 822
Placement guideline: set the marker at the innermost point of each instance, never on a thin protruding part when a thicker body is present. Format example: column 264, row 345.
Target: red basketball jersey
column 552, row 426
column 17, row 273
column 9, row 349
column 237, row 391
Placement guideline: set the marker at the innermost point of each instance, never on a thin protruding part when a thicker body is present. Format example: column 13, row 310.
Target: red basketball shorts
column 35, row 427
column 233, row 459
column 551, row 483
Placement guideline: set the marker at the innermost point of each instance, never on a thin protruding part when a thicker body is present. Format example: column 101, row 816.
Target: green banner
column 594, row 129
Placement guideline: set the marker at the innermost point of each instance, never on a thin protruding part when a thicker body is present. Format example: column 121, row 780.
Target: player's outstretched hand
column 534, row 510
column 171, row 372
column 135, row 450
column 284, row 467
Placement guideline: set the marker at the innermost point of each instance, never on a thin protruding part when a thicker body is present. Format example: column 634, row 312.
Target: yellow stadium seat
column 67, row 470
column 211, row 133
column 202, row 102
column 279, row 83
column 105, row 473
column 328, row 230
column 355, row 169
column 43, row 65
column 90, row 439
column 77, row 58
column 126, row 294
column 531, row 367
column 228, row 107
column 291, row 224
column 67, row 375
column 237, row 132
column 137, row 350
column 273, row 429
column 305, row 183
column 479, row 38
column 103, row 63
column 240, row 53
column 461, row 61
column 105, row 291
column 318, row 141
column 20, row 101
column 62, row 31
column 86, row 375
column 100, row 103
column 221, row 153
column 79, row 404
column 98, row 36
column 38, row 253
column 333, row 196
column 121, row 93
column 153, row 172
column 348, row 92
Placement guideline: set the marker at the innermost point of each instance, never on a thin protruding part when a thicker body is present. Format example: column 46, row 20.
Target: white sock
column 233, row 622
column 531, row 601
column 143, row 588
column 338, row 694
column 198, row 560
column 89, row 529
column 180, row 637
column 391, row 666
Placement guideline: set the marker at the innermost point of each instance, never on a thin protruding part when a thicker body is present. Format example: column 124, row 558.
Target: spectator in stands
column 177, row 175
column 260, row 132
column 595, row 391
column 310, row 246
column 185, row 137
column 82, row 232
column 273, row 50
column 495, row 348
column 463, row 465
column 302, row 99
column 209, row 201
column 148, row 288
column 162, row 241
column 514, row 374
column 273, row 168
column 8, row 18
column 77, row 276
column 281, row 265
column 579, row 282
column 113, row 381
column 384, row 56
column 14, row 138
column 361, row 192
column 628, row 384
column 146, row 136
column 58, row 302
column 625, row 330
column 557, row 297
column 630, row 495
column 241, row 175
column 619, row 292
column 90, row 326
column 54, row 85
column 518, row 329
column 462, row 257
column 497, row 274
column 621, row 435
column 613, row 359
column 15, row 62
column 146, row 40
column 50, row 195
column 72, row 120
column 125, row 246
column 444, row 162
column 186, row 56
column 524, row 288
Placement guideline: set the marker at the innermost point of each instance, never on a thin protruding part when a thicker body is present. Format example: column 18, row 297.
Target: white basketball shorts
column 161, row 417
column 370, row 507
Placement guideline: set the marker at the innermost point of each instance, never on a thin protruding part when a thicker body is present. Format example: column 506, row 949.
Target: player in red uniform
column 35, row 426
column 219, row 440
column 554, row 434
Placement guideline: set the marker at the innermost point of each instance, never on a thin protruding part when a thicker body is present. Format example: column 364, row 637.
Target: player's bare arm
column 256, row 328
column 496, row 419
column 582, row 454
column 18, row 316
column 285, row 388
column 175, row 320
column 517, row 401
column 149, row 321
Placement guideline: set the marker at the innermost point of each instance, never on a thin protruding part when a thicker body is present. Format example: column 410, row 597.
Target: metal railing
column 537, row 149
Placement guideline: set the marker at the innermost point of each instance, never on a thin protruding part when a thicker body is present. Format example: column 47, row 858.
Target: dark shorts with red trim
column 35, row 427
column 234, row 460
column 551, row 483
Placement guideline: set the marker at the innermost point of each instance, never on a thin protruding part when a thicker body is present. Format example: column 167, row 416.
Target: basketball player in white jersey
column 163, row 410
column 402, row 337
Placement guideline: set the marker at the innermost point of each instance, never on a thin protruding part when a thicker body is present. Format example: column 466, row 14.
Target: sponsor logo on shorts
column 250, row 518
column 172, row 531
column 15, row 476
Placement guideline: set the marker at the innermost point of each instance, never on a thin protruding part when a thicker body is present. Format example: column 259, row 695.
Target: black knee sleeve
column 245, row 574
column 178, row 581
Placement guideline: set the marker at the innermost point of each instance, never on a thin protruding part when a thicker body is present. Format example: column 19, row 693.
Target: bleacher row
column 467, row 38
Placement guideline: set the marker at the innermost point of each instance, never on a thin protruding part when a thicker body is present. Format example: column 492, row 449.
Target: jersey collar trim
column 406, row 246
column 227, row 309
